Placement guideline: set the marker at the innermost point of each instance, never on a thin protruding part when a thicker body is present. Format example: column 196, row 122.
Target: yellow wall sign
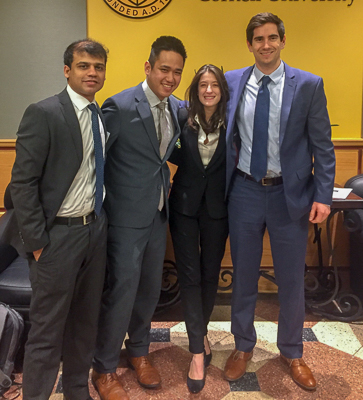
column 137, row 8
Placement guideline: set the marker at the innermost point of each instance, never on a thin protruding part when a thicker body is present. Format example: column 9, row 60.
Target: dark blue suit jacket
column 135, row 172
column 306, row 150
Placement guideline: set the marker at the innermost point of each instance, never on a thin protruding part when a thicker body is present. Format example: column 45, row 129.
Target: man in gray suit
column 143, row 127
column 57, row 193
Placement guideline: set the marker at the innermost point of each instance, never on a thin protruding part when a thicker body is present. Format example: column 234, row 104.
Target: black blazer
column 192, row 181
column 49, row 153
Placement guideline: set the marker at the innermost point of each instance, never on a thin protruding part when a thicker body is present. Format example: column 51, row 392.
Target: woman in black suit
column 198, row 212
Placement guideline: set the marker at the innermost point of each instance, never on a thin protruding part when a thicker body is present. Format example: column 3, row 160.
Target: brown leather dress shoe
column 147, row 375
column 300, row 372
column 109, row 386
column 236, row 365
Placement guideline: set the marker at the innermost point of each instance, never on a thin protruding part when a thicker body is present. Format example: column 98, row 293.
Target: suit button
column 159, row 187
column 203, row 176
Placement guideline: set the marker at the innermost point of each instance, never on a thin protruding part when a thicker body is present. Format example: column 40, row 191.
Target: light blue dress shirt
column 245, row 118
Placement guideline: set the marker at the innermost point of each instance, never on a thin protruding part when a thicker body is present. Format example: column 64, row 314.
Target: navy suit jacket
column 306, row 150
column 135, row 172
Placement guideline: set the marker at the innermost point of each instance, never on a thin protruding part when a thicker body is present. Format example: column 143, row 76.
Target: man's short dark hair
column 89, row 46
column 167, row 43
column 262, row 19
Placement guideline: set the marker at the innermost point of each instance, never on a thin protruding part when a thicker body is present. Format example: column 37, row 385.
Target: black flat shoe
column 195, row 385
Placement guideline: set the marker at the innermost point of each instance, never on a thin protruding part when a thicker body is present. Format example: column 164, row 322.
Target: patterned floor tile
column 59, row 387
column 338, row 335
column 159, row 335
column 215, row 337
column 221, row 313
column 266, row 331
column 358, row 331
column 260, row 357
column 333, row 350
column 359, row 353
column 266, row 337
column 223, row 326
column 226, row 343
column 180, row 327
column 248, row 383
column 164, row 324
column 309, row 335
column 247, row 395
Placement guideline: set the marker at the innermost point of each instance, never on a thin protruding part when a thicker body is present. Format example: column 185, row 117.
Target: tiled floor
column 333, row 350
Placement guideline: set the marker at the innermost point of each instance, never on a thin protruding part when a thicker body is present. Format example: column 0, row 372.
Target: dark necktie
column 258, row 168
column 99, row 161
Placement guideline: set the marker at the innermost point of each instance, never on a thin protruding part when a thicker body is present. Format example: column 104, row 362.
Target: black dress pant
column 199, row 245
column 67, row 283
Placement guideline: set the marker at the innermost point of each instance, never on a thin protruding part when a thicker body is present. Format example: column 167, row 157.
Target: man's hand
column 319, row 212
column 37, row 254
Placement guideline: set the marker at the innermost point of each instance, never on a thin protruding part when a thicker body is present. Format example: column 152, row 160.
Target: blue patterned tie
column 258, row 168
column 98, row 159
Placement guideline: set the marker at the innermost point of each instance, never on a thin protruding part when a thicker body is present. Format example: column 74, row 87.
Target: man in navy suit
column 280, row 174
column 143, row 127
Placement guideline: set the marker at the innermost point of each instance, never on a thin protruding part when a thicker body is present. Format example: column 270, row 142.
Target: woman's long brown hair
column 197, row 108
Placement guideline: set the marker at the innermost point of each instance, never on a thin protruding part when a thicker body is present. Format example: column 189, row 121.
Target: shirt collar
column 152, row 98
column 79, row 101
column 275, row 76
column 196, row 118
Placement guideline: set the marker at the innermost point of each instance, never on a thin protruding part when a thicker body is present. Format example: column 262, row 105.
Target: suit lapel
column 71, row 119
column 287, row 98
column 143, row 108
column 102, row 119
column 173, row 108
column 192, row 142
column 235, row 100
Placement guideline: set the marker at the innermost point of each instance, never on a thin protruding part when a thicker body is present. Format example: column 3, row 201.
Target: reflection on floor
column 333, row 350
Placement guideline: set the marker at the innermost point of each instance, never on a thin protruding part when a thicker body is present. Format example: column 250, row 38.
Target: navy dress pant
column 252, row 208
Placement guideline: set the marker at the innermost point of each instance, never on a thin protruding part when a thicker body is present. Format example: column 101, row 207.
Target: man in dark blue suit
column 280, row 175
column 143, row 127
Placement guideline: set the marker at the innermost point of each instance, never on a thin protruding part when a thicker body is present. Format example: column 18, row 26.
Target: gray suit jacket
column 48, row 156
column 135, row 172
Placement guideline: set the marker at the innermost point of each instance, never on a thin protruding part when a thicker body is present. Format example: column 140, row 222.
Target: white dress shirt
column 246, row 114
column 80, row 198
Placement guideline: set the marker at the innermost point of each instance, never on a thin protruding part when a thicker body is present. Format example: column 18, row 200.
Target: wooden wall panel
column 7, row 157
column 349, row 163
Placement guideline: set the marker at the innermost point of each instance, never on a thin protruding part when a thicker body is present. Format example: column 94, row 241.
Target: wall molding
column 337, row 142
column 7, row 143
